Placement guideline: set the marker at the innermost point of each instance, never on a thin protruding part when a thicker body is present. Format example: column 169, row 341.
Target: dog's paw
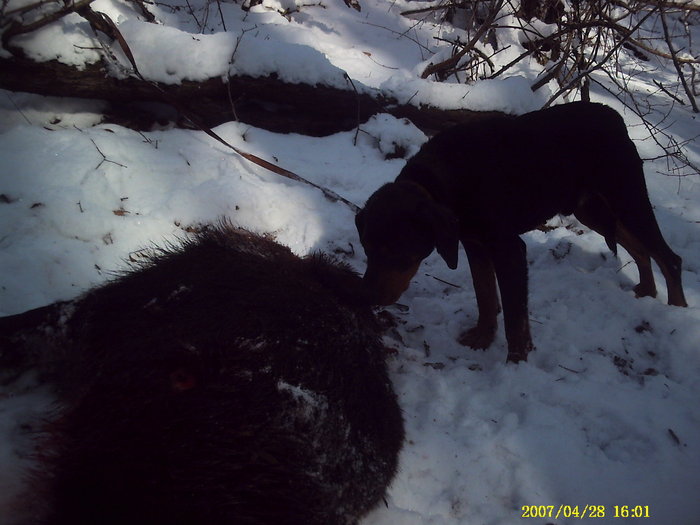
column 478, row 337
column 645, row 290
column 516, row 357
column 518, row 354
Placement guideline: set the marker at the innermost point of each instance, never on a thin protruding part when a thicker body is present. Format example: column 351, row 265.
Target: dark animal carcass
column 225, row 381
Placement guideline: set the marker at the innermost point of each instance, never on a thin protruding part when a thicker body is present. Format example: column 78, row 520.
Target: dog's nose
column 386, row 297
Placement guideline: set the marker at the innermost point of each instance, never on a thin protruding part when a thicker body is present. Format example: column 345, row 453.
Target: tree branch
column 676, row 63
column 454, row 59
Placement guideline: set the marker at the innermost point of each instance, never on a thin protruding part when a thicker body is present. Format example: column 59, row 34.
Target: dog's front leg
column 510, row 263
column 484, row 279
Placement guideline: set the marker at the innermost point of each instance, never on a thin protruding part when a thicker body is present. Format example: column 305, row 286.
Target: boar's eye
column 182, row 380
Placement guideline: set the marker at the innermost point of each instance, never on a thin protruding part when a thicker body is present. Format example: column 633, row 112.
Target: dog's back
column 517, row 172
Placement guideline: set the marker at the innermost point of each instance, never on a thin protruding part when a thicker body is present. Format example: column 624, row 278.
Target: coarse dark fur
column 225, row 381
column 486, row 183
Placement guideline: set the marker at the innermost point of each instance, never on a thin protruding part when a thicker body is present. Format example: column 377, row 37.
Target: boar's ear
column 445, row 231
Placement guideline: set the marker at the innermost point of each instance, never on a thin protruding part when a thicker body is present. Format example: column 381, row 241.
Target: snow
column 510, row 95
column 196, row 57
column 68, row 40
column 605, row 412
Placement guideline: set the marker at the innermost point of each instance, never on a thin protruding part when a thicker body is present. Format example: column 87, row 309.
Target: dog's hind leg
column 638, row 232
column 484, row 279
column 619, row 190
column 637, row 227
column 646, row 286
column 594, row 212
column 643, row 242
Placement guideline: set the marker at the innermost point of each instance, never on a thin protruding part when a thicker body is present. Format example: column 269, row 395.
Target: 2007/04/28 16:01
column 588, row 511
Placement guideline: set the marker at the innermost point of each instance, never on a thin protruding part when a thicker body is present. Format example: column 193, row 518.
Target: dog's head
column 400, row 226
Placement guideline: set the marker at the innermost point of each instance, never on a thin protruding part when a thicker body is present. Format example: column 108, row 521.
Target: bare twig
column 104, row 157
column 673, row 151
column 665, row 90
column 12, row 101
column 329, row 194
column 403, row 35
column 103, row 23
column 443, row 281
column 676, row 63
column 221, row 15
column 191, row 11
column 454, row 59
column 599, row 65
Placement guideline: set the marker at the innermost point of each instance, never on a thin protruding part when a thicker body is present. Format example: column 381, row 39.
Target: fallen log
column 265, row 102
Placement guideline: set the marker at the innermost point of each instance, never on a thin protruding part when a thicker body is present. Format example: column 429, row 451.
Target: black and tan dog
column 485, row 183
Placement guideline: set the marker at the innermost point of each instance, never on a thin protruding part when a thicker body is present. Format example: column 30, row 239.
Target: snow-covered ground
column 604, row 413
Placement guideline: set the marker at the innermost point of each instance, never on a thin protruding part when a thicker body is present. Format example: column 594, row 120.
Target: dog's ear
column 446, row 232
column 360, row 221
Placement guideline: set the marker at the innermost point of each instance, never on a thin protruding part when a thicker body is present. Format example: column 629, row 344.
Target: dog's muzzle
column 385, row 285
